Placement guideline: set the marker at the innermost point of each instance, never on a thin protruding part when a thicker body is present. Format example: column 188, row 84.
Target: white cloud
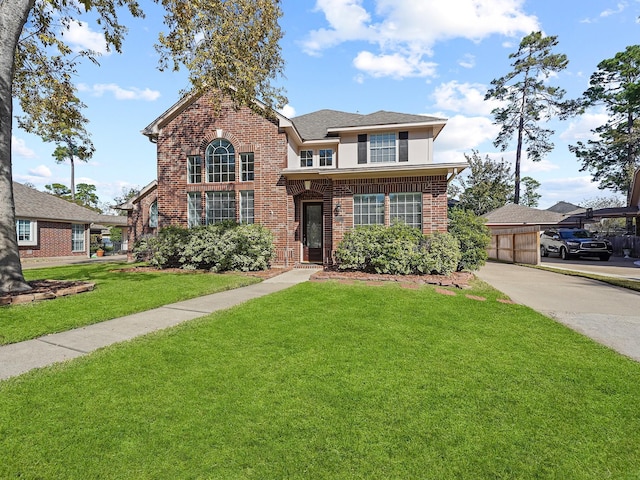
column 394, row 65
column 81, row 37
column 467, row 61
column 411, row 28
column 461, row 134
column 132, row 93
column 571, row 189
column 19, row 148
column 41, row 171
column 288, row 111
column 620, row 8
column 580, row 129
column 465, row 98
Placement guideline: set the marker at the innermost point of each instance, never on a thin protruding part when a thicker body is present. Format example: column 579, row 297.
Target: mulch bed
column 457, row 279
column 46, row 290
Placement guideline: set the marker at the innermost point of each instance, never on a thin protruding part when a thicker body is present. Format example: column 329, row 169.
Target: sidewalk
column 18, row 358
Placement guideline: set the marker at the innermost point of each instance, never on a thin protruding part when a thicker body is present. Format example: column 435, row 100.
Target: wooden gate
column 515, row 245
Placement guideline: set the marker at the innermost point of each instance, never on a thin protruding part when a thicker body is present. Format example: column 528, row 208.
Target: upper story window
column 153, row 215
column 306, row 158
column 27, row 232
column 246, row 167
column 382, row 148
column 194, row 169
column 326, row 158
column 221, row 161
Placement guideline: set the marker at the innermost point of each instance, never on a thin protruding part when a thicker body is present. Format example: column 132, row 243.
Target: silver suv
column 574, row 242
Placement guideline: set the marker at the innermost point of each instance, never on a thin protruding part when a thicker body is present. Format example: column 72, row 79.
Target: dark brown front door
column 312, row 232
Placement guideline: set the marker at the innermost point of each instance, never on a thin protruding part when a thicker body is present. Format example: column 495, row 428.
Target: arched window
column 220, row 161
column 153, row 215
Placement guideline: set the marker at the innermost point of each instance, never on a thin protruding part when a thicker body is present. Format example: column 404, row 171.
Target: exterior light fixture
column 338, row 210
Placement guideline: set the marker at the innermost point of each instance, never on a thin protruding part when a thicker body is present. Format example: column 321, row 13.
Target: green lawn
column 333, row 381
column 116, row 294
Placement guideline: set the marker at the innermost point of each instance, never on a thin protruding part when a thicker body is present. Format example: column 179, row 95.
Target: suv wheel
column 564, row 255
column 543, row 251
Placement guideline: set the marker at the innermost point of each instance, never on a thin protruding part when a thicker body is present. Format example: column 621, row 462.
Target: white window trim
column 84, row 238
column 33, row 233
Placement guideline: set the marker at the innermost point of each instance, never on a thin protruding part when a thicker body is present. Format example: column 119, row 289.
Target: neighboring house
column 308, row 179
column 49, row 226
column 512, row 216
column 566, row 208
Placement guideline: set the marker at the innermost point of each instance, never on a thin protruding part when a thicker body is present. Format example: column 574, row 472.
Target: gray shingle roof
column 565, row 207
column 36, row 205
column 519, row 214
column 313, row 126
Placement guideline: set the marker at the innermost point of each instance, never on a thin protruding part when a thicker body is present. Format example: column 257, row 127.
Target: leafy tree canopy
column 613, row 156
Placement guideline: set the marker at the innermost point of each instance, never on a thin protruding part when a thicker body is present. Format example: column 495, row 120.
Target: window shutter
column 362, row 148
column 403, row 146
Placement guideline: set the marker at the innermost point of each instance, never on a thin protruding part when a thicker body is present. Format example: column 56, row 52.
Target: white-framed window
column 194, row 169
column 246, row 206
column 220, row 161
column 27, row 232
column 306, row 158
column 368, row 209
column 406, row 207
column 221, row 206
column 247, row 165
column 194, row 209
column 77, row 237
column 382, row 148
column 153, row 215
column 326, row 157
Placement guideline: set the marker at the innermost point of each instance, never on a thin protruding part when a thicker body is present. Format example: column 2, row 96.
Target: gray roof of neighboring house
column 519, row 214
column 33, row 204
column 565, row 207
column 314, row 126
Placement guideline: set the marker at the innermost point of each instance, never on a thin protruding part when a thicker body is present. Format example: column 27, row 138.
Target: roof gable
column 316, row 125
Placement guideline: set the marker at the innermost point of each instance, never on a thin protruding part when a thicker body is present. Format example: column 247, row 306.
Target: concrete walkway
column 609, row 315
column 19, row 358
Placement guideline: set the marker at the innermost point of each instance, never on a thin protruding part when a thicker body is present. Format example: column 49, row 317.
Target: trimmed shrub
column 219, row 247
column 397, row 250
column 473, row 235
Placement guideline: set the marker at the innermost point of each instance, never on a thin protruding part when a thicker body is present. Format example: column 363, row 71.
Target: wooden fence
column 516, row 245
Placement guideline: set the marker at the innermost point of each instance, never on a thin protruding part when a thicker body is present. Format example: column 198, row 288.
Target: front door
column 312, row 232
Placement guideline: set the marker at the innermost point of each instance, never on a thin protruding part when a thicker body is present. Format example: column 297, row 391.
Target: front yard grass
column 325, row 380
column 117, row 293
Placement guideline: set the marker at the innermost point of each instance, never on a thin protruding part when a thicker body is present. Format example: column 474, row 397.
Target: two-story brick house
column 308, row 179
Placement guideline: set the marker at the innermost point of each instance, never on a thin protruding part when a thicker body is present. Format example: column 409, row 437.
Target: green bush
column 397, row 250
column 473, row 235
column 219, row 247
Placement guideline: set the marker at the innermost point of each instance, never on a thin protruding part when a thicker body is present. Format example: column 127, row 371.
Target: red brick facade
column 278, row 201
column 54, row 240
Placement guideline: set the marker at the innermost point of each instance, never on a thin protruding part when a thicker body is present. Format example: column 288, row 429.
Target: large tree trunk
column 13, row 16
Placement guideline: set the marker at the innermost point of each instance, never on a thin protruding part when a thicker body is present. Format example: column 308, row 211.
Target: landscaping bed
column 46, row 290
column 456, row 279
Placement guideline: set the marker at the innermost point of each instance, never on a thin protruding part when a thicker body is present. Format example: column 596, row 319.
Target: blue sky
column 410, row 56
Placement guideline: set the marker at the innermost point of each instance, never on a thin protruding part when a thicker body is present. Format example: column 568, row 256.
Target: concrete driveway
column 610, row 315
column 615, row 266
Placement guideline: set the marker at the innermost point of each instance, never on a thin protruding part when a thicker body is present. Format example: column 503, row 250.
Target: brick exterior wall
column 138, row 220
column 278, row 202
column 54, row 240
